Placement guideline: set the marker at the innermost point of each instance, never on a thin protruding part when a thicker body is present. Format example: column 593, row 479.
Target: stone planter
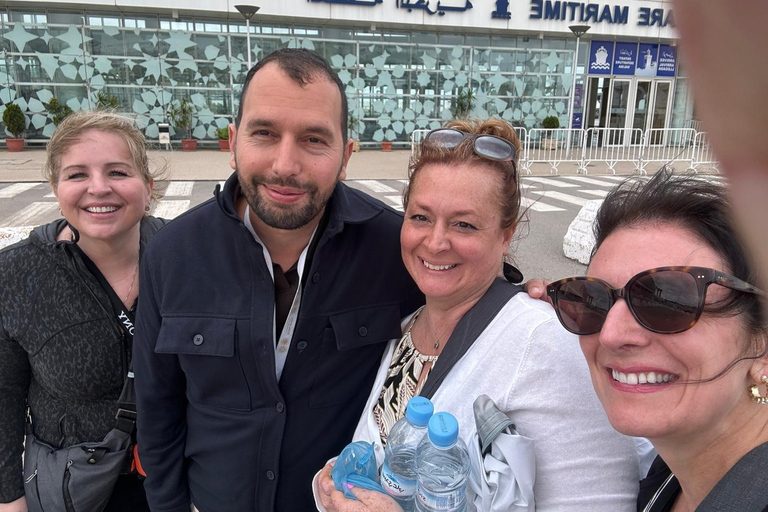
column 15, row 145
column 223, row 145
column 386, row 146
column 188, row 144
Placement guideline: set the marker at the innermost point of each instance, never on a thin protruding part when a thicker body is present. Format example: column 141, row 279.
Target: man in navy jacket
column 264, row 312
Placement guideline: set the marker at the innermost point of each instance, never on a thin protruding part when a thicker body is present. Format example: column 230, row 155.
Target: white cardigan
column 535, row 372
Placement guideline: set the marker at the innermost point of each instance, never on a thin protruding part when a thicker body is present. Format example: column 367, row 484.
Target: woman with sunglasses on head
column 67, row 296
column 462, row 206
column 675, row 337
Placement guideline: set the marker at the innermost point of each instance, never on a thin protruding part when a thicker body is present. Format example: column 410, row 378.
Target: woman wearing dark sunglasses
column 676, row 341
column 461, row 210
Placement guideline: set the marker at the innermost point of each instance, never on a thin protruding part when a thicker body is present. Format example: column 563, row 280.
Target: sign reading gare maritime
column 558, row 10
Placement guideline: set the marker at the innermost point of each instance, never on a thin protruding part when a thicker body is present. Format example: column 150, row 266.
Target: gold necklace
column 133, row 280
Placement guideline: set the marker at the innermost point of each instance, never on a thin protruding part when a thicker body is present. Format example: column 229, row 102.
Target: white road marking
column 170, row 209
column 550, row 182
column 397, row 202
column 179, row 189
column 566, row 198
column 377, row 186
column 538, row 206
column 31, row 215
column 16, row 189
column 598, row 193
column 590, row 181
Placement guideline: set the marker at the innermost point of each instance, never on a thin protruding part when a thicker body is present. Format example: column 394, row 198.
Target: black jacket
column 61, row 351
column 214, row 423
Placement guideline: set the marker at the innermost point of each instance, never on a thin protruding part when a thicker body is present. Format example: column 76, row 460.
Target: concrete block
column 579, row 239
column 9, row 236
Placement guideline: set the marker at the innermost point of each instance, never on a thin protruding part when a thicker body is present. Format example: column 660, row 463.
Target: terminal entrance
column 630, row 103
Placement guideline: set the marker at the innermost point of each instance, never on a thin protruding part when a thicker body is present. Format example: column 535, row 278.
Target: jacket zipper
column 67, row 496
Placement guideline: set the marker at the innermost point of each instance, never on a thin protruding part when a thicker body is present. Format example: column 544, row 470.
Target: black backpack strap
column 471, row 325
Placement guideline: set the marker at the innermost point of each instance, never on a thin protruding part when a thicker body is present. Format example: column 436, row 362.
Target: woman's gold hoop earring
column 754, row 392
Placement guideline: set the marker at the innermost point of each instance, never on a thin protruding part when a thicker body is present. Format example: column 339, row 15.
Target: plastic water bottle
column 398, row 473
column 442, row 467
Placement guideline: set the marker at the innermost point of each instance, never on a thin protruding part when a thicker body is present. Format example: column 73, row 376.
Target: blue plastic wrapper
column 357, row 466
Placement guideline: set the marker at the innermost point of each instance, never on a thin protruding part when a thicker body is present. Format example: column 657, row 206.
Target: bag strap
column 126, row 404
column 471, row 325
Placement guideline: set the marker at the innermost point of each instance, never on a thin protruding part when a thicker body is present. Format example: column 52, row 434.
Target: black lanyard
column 126, row 412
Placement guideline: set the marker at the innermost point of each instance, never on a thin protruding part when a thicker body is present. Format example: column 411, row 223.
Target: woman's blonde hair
column 75, row 125
column 464, row 153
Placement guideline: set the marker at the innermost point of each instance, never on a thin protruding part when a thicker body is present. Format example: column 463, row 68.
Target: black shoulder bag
column 82, row 477
column 471, row 325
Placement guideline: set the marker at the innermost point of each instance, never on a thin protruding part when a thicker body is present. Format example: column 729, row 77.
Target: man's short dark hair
column 303, row 67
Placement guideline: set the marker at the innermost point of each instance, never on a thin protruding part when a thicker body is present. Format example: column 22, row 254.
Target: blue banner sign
column 647, row 60
column 667, row 60
column 600, row 58
column 624, row 59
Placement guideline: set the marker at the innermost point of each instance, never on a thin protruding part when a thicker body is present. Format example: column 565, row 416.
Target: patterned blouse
column 402, row 381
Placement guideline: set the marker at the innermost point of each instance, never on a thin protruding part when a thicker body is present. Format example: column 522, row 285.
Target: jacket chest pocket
column 209, row 353
column 351, row 353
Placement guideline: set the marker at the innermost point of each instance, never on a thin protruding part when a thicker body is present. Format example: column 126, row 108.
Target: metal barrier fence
column 703, row 157
column 551, row 146
column 667, row 145
column 608, row 146
column 611, row 146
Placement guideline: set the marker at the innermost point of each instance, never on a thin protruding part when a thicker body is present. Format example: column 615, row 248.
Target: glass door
column 660, row 109
column 617, row 110
column 642, row 103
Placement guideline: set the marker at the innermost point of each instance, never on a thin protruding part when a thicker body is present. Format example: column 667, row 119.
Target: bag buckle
column 125, row 414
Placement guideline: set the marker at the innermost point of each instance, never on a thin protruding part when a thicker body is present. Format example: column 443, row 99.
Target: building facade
column 407, row 64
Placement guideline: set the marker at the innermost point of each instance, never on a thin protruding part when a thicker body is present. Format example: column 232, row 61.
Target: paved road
column 552, row 203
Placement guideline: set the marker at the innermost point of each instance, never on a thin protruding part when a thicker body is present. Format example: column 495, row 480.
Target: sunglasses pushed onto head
column 485, row 145
column 665, row 300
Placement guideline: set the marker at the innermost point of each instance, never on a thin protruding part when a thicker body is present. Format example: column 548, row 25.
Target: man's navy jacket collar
column 345, row 207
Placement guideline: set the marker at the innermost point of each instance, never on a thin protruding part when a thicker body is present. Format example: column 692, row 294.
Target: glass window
column 424, row 37
column 364, row 35
column 103, row 21
column 66, row 18
column 337, row 33
column 306, row 31
column 504, row 41
column 29, row 17
column 454, row 39
column 139, row 21
column 554, row 44
column 478, row 40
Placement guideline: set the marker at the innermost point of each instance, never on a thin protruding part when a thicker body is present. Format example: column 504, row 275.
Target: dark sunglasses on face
column 664, row 300
column 486, row 146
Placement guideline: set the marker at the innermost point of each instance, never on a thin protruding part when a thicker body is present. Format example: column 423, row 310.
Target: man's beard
column 284, row 216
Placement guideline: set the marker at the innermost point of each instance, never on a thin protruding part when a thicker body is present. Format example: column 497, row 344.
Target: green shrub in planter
column 180, row 113
column 58, row 110
column 14, row 120
column 223, row 133
column 550, row 123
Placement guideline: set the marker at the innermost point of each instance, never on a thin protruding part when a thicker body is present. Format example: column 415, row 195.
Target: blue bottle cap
column 443, row 429
column 419, row 411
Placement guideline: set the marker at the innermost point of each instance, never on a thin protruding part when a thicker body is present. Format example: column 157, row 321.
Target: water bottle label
column 442, row 501
column 396, row 485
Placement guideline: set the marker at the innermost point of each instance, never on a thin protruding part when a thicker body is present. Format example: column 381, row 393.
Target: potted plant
column 15, row 124
column 223, row 135
column 59, row 111
column 465, row 102
column 353, row 125
column 180, row 114
column 106, row 101
column 550, row 123
column 386, row 145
